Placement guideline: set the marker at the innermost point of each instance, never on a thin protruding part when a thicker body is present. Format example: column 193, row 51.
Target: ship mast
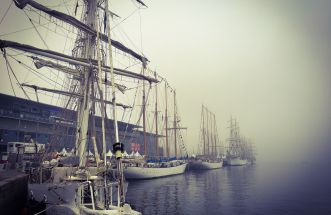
column 211, row 146
column 156, row 123
column 144, row 114
column 230, row 148
column 215, row 136
column 93, row 131
column 211, row 133
column 103, row 105
column 175, row 124
column 207, row 132
column 86, row 85
column 166, row 118
column 203, row 129
column 118, row 147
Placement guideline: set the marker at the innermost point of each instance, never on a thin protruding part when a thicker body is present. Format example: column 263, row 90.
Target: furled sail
column 39, row 63
column 78, row 24
column 65, row 93
column 72, row 60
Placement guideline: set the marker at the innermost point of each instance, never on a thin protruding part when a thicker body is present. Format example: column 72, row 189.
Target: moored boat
column 237, row 150
column 236, row 161
column 145, row 169
column 209, row 150
column 205, row 164
column 153, row 170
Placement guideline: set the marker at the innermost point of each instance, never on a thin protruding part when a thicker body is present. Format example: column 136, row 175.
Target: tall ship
column 156, row 166
column 248, row 149
column 235, row 152
column 87, row 76
column 210, row 153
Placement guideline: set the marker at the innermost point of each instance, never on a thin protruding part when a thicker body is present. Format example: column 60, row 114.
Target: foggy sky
column 267, row 63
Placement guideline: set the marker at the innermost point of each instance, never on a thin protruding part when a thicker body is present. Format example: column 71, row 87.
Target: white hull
column 205, row 165
column 125, row 210
column 236, row 162
column 131, row 172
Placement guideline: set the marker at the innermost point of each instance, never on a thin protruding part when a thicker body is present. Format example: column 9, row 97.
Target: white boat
column 237, row 161
column 149, row 171
column 205, row 165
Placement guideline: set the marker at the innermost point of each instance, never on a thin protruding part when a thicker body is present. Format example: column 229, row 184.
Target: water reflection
column 196, row 192
column 239, row 186
column 258, row 190
column 158, row 196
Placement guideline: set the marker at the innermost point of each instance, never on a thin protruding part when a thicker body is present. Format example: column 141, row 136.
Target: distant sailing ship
column 248, row 151
column 209, row 156
column 235, row 153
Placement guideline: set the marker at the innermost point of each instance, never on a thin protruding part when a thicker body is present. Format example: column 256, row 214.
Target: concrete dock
column 13, row 192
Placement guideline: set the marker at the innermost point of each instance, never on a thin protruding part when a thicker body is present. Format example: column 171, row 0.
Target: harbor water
column 266, row 188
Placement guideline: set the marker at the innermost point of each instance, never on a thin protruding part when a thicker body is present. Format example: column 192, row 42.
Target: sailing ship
column 248, row 151
column 209, row 157
column 79, row 188
column 158, row 167
column 235, row 153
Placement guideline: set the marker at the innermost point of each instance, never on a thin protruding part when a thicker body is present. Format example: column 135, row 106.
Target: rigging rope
column 12, row 87
column 6, row 12
column 40, row 75
column 133, row 12
column 36, row 72
column 45, row 44
column 11, row 69
column 42, row 39
column 127, row 124
column 23, row 29
column 141, row 34
column 48, row 18
column 64, row 3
